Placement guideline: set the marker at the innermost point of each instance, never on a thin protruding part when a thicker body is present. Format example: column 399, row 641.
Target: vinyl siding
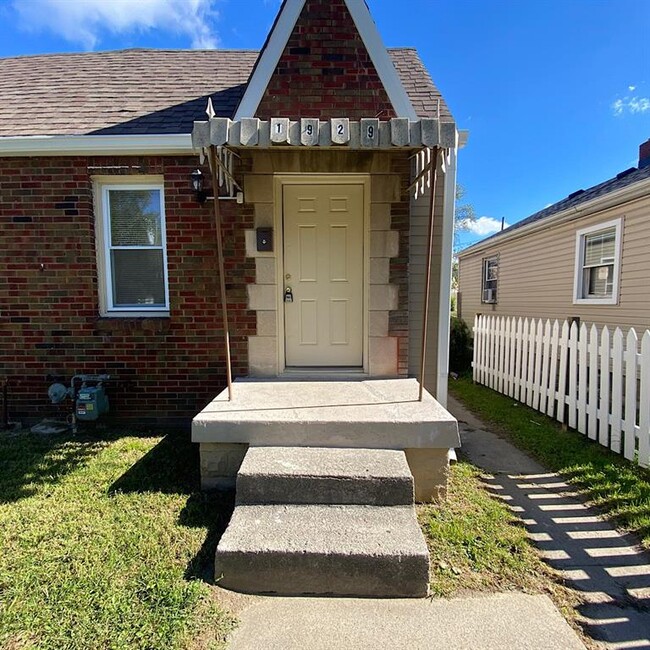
column 536, row 273
column 419, row 231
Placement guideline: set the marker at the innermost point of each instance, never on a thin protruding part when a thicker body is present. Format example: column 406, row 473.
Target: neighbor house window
column 490, row 279
column 598, row 262
column 132, row 253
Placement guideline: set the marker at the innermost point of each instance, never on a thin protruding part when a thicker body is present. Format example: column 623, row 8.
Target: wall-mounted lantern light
column 197, row 185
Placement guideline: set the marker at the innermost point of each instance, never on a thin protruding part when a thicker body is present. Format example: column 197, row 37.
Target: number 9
column 310, row 129
column 371, row 132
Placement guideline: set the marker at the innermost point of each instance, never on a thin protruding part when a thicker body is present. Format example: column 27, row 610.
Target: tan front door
column 323, row 268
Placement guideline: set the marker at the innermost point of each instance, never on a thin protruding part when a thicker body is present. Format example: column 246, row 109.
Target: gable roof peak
column 278, row 38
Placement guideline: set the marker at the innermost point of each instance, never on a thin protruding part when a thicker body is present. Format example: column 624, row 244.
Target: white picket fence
column 597, row 382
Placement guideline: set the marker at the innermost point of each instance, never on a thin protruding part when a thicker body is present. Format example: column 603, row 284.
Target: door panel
column 323, row 266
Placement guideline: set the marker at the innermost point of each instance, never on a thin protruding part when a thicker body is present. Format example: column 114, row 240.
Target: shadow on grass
column 172, row 467
column 30, row 461
column 618, row 487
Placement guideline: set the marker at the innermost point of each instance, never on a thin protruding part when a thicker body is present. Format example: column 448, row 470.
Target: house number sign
column 340, row 130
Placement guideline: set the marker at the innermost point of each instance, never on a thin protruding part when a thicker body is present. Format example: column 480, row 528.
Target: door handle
column 288, row 295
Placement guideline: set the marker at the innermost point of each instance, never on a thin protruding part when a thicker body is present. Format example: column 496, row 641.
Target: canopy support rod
column 427, row 283
column 222, row 277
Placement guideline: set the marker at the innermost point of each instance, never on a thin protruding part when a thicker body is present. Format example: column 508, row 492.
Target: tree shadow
column 172, row 467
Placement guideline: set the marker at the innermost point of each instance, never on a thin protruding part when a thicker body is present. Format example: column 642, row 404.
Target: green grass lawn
column 619, row 488
column 103, row 544
column 477, row 544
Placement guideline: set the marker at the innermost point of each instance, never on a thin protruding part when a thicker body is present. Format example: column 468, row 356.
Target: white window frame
column 102, row 185
column 578, row 275
column 484, row 266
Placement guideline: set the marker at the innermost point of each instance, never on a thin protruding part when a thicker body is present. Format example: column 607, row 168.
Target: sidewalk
column 608, row 568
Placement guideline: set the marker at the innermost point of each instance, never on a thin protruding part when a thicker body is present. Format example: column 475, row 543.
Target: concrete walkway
column 498, row 622
column 608, row 568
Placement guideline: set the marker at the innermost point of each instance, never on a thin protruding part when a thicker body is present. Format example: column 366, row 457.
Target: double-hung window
column 131, row 247
column 490, row 279
column 598, row 263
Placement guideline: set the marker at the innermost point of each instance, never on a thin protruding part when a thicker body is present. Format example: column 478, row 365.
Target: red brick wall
column 49, row 319
column 325, row 71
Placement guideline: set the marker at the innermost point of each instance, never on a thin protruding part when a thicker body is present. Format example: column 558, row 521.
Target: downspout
column 222, row 278
column 449, row 208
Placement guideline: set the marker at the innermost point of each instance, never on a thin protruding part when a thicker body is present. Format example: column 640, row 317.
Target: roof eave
column 71, row 145
column 607, row 201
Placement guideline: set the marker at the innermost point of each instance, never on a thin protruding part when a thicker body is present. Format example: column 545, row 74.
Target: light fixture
column 197, row 185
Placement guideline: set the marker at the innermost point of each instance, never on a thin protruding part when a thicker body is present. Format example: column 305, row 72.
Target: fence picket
column 537, row 372
column 499, row 355
column 546, row 343
column 603, row 406
column 629, row 423
column 583, row 340
column 477, row 349
column 524, row 363
column 562, row 397
column 507, row 377
column 572, row 397
column 512, row 342
column 617, row 391
column 518, row 345
column 552, row 372
column 644, row 406
column 592, row 386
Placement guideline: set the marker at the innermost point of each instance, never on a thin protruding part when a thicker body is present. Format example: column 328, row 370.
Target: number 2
column 339, row 129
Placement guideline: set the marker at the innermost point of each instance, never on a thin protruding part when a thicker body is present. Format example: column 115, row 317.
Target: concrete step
column 344, row 550
column 295, row 475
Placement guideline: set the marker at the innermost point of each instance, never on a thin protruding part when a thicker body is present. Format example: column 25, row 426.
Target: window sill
column 595, row 301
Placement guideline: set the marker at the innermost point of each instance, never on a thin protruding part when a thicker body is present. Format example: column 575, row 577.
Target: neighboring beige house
column 585, row 257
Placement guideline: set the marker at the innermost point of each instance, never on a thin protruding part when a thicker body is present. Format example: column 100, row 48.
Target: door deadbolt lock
column 288, row 295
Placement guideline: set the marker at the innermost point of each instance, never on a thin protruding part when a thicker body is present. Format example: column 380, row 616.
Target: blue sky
column 555, row 93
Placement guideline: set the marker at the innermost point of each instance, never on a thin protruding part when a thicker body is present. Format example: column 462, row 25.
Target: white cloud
column 630, row 105
column 482, row 226
column 83, row 21
column 631, row 88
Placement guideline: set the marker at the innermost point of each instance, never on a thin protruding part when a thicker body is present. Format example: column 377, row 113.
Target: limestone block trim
column 220, row 463
column 263, row 357
column 430, row 469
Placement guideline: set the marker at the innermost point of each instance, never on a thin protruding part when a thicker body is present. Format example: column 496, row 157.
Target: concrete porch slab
column 371, row 414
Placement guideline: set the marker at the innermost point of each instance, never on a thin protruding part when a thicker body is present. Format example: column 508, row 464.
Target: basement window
column 598, row 262
column 490, row 279
column 132, row 254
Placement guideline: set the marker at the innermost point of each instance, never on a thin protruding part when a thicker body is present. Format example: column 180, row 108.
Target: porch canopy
column 365, row 134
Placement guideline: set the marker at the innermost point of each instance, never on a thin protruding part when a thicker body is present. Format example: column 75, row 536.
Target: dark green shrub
column 461, row 346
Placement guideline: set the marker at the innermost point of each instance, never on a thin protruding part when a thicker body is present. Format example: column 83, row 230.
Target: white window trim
column 102, row 184
column 484, row 262
column 578, row 274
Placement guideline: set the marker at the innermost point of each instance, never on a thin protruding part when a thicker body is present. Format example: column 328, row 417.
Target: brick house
column 109, row 262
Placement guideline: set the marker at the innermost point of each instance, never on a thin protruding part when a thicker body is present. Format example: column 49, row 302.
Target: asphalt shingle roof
column 621, row 180
column 133, row 92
